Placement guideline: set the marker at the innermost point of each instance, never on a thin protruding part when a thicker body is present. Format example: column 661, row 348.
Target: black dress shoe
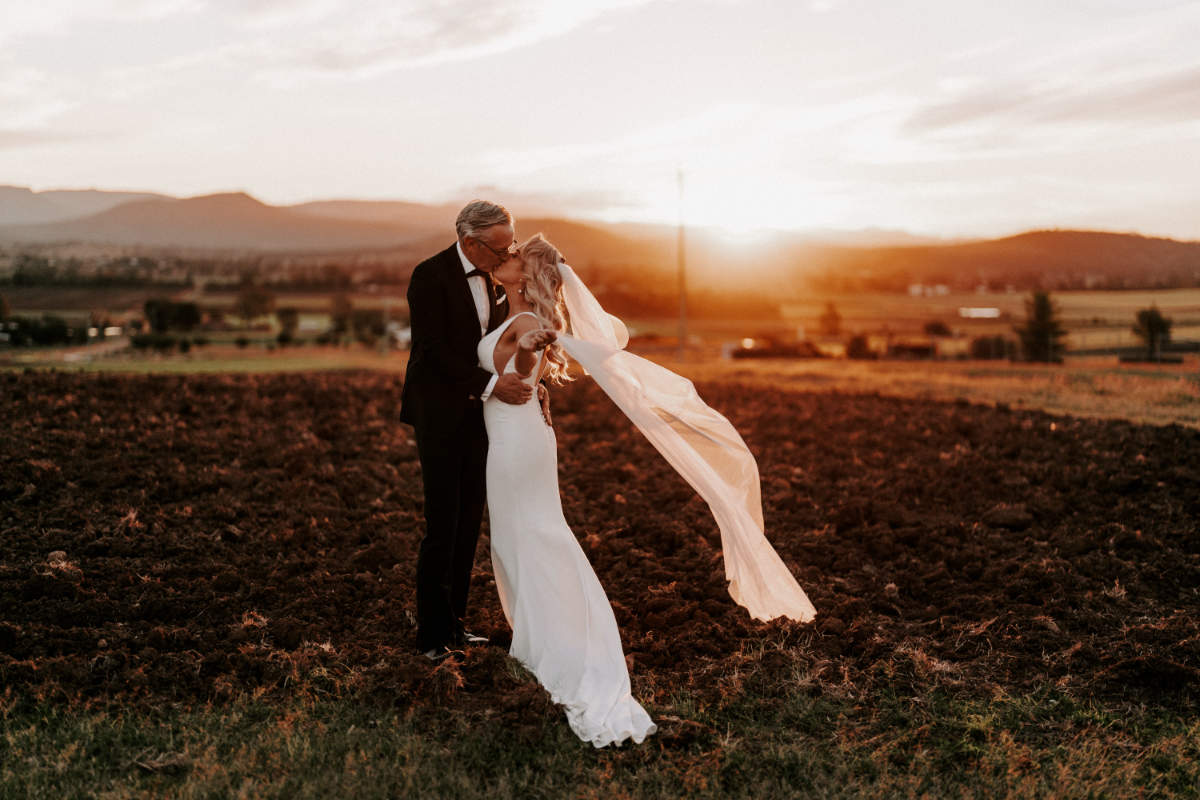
column 466, row 638
column 441, row 653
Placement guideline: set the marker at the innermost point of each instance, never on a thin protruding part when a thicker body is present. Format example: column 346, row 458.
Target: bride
column 563, row 626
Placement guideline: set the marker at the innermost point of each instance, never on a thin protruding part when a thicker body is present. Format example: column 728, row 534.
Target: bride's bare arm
column 506, row 346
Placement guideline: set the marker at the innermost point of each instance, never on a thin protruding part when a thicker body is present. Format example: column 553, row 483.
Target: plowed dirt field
column 196, row 538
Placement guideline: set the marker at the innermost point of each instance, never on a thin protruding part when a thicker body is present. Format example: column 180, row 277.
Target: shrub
column 340, row 310
column 289, row 323
column 50, row 330
column 858, row 347
column 164, row 314
column 369, row 325
column 831, row 320
column 253, row 302
column 1153, row 329
column 985, row 347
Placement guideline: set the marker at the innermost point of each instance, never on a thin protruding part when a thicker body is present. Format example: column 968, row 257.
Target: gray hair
column 479, row 215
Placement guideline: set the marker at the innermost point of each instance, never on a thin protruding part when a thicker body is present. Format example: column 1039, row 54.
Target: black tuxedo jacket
column 443, row 380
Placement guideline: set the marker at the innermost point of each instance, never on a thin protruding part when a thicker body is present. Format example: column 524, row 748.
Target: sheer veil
column 697, row 441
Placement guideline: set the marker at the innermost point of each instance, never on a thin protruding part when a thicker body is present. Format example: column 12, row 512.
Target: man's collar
column 466, row 262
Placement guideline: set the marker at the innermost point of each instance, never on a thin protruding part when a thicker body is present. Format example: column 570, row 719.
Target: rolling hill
column 233, row 221
column 1050, row 258
column 788, row 264
column 21, row 206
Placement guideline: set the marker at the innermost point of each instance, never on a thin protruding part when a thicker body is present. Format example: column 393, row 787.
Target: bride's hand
column 536, row 340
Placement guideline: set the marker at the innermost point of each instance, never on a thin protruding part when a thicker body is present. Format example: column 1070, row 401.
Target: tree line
column 1040, row 338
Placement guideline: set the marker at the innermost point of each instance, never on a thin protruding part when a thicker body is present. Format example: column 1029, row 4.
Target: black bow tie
column 480, row 272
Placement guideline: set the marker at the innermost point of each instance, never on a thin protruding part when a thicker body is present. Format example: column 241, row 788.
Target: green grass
column 1042, row 744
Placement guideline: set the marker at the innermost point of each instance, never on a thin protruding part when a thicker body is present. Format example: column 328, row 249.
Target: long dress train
column 563, row 626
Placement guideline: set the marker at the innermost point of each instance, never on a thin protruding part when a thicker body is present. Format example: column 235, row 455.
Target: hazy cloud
column 31, row 98
column 319, row 38
column 11, row 139
column 1171, row 96
column 60, row 17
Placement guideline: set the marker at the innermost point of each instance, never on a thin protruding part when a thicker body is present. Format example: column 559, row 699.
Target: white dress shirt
column 482, row 308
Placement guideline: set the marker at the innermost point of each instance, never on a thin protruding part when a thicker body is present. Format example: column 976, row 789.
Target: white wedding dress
column 563, row 628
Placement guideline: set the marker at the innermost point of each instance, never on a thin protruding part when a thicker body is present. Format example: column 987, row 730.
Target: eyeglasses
column 511, row 250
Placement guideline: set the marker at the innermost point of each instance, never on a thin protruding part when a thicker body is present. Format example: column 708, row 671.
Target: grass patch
column 753, row 746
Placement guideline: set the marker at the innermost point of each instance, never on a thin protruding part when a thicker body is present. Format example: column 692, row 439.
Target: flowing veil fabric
column 697, row 441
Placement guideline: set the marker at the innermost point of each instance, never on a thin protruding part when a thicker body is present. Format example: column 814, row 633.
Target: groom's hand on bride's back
column 544, row 401
column 512, row 390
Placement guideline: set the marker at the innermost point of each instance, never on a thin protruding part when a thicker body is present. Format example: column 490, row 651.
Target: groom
column 453, row 302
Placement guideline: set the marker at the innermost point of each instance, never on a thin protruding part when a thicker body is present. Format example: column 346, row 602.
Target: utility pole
column 682, row 274
column 385, row 343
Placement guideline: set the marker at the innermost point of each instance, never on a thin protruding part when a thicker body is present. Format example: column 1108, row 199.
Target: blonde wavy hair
column 543, row 291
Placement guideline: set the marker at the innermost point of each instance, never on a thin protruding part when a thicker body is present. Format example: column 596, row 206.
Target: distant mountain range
column 234, row 221
column 871, row 259
column 21, row 206
column 1049, row 258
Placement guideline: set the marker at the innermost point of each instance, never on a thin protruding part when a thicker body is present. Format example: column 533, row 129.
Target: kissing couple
column 492, row 320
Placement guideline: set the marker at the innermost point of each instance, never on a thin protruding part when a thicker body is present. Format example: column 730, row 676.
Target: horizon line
column 763, row 231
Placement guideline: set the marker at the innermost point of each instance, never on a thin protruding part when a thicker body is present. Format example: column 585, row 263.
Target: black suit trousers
column 453, row 469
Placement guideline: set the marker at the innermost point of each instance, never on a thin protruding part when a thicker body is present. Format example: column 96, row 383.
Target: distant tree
column 185, row 316
column 5, row 311
column 936, row 328
column 158, row 314
column 368, row 325
column 1154, row 329
column 30, row 270
column 1042, row 333
column 50, row 330
column 831, row 320
column 859, row 347
column 289, row 322
column 989, row 347
column 253, row 302
column 165, row 315
column 340, row 311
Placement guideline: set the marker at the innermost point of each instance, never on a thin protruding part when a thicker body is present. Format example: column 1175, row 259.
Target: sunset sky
column 935, row 117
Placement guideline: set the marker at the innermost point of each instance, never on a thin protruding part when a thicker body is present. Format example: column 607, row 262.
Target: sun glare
column 741, row 210
column 746, row 236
